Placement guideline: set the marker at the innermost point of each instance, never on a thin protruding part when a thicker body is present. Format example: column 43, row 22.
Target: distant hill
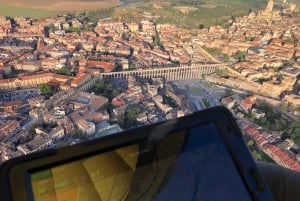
column 186, row 13
column 197, row 13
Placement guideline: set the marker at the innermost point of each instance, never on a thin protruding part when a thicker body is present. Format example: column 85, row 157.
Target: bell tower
column 270, row 6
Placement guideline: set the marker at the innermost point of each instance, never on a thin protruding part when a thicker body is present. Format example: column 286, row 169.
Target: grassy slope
column 209, row 12
column 26, row 12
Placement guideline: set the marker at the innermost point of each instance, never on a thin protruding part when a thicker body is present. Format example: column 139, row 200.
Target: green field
column 207, row 13
column 197, row 90
column 25, row 12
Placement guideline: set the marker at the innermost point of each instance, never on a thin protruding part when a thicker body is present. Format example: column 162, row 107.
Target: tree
column 131, row 115
column 240, row 56
column 52, row 28
column 121, row 120
column 64, row 71
column 156, row 41
column 53, row 124
column 285, row 62
column 169, row 101
column 293, row 130
column 106, row 89
column 250, row 143
column 128, row 119
column 226, row 58
column 257, row 156
column 248, row 39
column 45, row 89
column 228, row 92
column 77, row 133
column 201, row 26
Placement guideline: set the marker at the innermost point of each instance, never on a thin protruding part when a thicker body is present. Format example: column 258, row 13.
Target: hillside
column 194, row 13
column 186, row 13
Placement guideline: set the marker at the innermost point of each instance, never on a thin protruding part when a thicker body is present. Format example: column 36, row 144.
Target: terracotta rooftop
column 13, row 103
column 29, row 77
column 107, row 67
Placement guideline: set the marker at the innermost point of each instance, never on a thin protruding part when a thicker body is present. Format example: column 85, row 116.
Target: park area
column 197, row 90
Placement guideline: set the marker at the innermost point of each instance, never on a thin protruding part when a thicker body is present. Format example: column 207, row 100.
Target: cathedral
column 269, row 14
column 269, row 7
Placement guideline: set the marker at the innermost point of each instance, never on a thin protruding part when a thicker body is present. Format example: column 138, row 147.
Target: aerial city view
column 72, row 72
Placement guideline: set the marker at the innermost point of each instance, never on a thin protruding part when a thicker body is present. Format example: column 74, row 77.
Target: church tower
column 270, row 6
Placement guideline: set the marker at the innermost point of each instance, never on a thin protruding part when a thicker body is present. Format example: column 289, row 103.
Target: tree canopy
column 128, row 119
column 106, row 89
column 64, row 71
column 45, row 89
column 293, row 132
column 272, row 119
column 240, row 56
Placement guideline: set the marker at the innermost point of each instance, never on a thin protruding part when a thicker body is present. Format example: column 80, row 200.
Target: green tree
column 213, row 51
column 64, row 71
column 229, row 92
column 169, row 101
column 52, row 28
column 156, row 41
column 128, row 119
column 249, row 38
column 53, row 124
column 272, row 119
column 77, row 133
column 250, row 143
column 131, row 115
column 293, row 130
column 45, row 89
column 285, row 62
column 121, row 120
column 106, row 89
column 226, row 58
column 78, row 30
column 257, row 156
column 201, row 26
column 240, row 56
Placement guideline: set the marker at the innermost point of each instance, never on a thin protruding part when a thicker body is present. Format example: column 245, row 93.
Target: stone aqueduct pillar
column 196, row 71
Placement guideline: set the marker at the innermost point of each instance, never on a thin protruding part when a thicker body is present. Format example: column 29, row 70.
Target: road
column 198, row 92
column 19, row 131
column 24, row 94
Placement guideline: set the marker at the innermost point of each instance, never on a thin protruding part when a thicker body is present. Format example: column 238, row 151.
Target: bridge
column 195, row 71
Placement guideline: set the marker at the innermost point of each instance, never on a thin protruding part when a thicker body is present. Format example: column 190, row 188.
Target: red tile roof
column 273, row 151
column 13, row 103
column 107, row 67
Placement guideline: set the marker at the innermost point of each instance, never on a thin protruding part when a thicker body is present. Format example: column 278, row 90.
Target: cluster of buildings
column 32, row 50
column 269, row 40
column 85, row 116
column 269, row 142
column 278, row 152
column 47, row 51
column 150, row 97
column 62, row 82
